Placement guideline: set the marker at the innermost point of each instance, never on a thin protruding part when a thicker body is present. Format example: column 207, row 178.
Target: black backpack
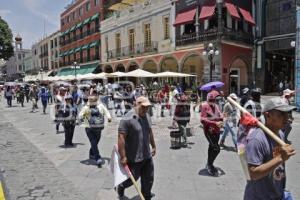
column 96, row 119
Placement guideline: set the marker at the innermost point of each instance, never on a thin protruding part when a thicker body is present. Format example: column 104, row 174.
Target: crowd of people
column 90, row 104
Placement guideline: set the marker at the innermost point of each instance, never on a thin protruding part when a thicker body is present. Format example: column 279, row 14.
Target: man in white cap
column 135, row 137
column 231, row 119
column 266, row 159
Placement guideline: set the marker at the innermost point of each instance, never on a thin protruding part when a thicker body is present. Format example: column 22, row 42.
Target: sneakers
column 99, row 162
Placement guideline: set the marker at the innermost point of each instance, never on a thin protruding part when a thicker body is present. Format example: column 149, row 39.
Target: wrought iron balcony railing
column 137, row 49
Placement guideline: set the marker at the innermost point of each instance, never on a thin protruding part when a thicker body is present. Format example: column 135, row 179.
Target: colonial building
column 136, row 35
column 226, row 24
column 176, row 34
column 15, row 66
column 276, row 35
column 80, row 35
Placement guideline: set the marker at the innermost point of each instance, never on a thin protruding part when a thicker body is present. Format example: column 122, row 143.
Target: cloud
column 4, row 13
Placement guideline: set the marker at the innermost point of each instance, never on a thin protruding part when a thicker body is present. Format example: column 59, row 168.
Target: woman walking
column 212, row 120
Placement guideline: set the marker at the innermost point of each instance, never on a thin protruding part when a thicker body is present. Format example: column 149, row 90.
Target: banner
column 116, row 168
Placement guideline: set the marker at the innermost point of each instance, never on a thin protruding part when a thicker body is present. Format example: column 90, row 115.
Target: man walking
column 135, row 137
column 266, row 159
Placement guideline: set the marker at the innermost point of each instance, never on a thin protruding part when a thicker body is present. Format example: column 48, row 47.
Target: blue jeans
column 227, row 129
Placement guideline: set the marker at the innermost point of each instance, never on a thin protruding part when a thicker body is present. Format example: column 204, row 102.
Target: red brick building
column 80, row 35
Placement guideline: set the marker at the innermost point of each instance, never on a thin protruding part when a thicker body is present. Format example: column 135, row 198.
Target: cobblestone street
column 36, row 166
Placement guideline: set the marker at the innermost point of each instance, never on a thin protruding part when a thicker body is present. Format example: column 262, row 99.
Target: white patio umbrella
column 140, row 73
column 101, row 75
column 173, row 74
column 117, row 74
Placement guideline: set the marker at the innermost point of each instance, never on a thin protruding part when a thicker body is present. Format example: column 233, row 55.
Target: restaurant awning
column 132, row 2
column 185, row 17
column 84, row 69
column 247, row 16
column 95, row 16
column 84, row 47
column 118, row 6
column 232, row 10
column 93, row 44
column 73, row 28
column 207, row 12
column 71, row 51
column 79, row 25
column 78, row 49
column 86, row 21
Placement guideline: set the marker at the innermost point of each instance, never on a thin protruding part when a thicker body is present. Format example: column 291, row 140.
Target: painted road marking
column 2, row 197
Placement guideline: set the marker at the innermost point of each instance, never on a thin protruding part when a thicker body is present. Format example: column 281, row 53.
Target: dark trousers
column 287, row 130
column 44, row 106
column 213, row 148
column 69, row 132
column 9, row 99
column 94, row 135
column 145, row 170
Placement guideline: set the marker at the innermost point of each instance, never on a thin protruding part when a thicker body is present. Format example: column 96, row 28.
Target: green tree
column 6, row 39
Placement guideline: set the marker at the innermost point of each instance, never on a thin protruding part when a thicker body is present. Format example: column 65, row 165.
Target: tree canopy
column 6, row 39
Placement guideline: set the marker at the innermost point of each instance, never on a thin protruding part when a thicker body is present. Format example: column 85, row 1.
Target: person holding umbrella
column 212, row 120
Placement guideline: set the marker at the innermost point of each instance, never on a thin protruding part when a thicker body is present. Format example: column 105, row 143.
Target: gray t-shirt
column 137, row 142
column 260, row 149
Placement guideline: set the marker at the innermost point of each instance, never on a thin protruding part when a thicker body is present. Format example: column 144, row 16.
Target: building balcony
column 228, row 34
column 135, row 50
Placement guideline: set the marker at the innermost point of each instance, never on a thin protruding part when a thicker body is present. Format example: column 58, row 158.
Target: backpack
column 96, row 119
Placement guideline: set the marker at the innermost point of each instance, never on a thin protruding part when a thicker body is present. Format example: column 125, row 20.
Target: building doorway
column 234, row 80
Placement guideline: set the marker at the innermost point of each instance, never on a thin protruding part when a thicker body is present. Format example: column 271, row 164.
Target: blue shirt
column 260, row 149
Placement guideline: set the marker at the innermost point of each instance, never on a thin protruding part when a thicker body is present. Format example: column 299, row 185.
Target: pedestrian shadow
column 133, row 198
column 204, row 172
column 93, row 162
column 70, row 147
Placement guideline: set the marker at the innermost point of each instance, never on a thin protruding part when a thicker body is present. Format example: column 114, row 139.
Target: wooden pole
column 134, row 182
column 261, row 125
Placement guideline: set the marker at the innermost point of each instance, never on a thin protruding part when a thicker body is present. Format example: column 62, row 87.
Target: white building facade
column 136, row 31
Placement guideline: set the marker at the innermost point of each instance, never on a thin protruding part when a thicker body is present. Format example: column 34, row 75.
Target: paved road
column 35, row 163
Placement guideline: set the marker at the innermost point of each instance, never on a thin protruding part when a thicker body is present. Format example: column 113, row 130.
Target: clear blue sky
column 27, row 17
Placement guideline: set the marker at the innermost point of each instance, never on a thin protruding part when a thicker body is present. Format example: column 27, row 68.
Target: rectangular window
column 147, row 35
column 166, row 28
column 80, row 11
column 87, row 6
column 73, row 15
column 55, row 42
column 131, row 40
column 96, row 2
column 118, row 43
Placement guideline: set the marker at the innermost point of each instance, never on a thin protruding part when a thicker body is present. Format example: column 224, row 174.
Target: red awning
column 232, row 10
column 247, row 16
column 185, row 17
column 207, row 12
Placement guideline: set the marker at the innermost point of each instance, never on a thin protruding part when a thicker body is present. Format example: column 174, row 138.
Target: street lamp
column 211, row 51
column 75, row 67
